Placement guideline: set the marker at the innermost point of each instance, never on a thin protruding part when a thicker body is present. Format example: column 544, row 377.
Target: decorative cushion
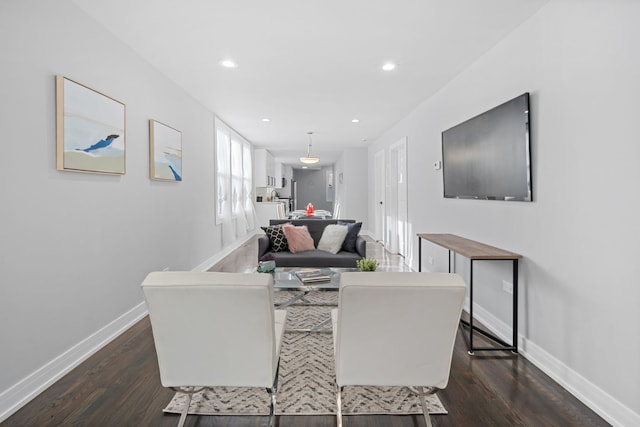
column 349, row 243
column 298, row 238
column 332, row 238
column 277, row 237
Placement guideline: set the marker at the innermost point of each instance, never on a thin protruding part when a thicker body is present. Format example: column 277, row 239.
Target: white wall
column 349, row 193
column 312, row 188
column 580, row 237
column 75, row 247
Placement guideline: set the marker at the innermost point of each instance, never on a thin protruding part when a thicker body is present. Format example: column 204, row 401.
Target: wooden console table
column 477, row 251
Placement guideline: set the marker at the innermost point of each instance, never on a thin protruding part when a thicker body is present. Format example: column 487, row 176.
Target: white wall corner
column 216, row 258
column 18, row 395
column 588, row 393
column 368, row 233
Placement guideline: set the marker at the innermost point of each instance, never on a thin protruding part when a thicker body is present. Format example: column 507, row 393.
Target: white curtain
column 223, row 177
column 247, row 174
column 234, row 205
column 237, row 188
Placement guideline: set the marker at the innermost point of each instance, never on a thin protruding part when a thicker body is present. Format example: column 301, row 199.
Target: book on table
column 312, row 275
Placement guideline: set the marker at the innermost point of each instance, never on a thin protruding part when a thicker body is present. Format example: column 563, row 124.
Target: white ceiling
column 310, row 65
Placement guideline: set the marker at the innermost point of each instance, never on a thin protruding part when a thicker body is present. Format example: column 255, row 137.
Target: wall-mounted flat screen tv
column 488, row 157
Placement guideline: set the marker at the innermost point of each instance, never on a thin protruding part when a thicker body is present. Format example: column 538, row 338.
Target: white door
column 392, row 203
column 379, row 193
column 397, row 216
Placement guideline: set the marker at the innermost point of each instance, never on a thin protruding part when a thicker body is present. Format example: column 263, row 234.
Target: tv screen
column 488, row 156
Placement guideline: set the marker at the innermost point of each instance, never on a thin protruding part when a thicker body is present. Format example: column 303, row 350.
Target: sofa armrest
column 263, row 246
column 361, row 246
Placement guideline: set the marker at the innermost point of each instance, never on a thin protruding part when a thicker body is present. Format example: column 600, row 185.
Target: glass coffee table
column 286, row 279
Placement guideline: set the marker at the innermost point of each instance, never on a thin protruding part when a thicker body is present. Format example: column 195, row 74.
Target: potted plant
column 367, row 264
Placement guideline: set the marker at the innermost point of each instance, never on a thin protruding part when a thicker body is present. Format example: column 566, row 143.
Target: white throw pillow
column 332, row 238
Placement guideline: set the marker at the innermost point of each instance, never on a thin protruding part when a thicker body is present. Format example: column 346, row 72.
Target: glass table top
column 286, row 278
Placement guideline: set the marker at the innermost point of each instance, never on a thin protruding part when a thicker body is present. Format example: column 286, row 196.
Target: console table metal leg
column 515, row 307
column 470, row 351
column 419, row 254
column 503, row 345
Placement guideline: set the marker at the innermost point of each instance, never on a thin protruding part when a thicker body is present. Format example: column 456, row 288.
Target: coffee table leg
column 293, row 300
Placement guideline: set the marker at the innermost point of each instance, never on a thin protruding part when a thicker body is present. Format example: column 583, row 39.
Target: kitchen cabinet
column 286, row 178
column 264, row 168
column 278, row 174
column 269, row 210
column 288, row 172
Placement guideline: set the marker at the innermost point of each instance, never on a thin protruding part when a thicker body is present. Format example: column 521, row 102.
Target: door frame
column 380, row 189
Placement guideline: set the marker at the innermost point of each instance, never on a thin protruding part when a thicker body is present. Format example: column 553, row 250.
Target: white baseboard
column 210, row 262
column 603, row 404
column 22, row 392
column 18, row 395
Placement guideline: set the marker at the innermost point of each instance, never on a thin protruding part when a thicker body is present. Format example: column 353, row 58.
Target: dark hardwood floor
column 120, row 386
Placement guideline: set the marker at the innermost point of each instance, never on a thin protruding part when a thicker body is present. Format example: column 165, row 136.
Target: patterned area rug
column 306, row 377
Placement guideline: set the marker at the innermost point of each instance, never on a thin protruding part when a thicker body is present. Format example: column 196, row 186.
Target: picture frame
column 90, row 130
column 165, row 152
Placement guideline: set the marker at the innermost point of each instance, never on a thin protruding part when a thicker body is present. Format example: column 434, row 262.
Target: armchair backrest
column 212, row 329
column 397, row 328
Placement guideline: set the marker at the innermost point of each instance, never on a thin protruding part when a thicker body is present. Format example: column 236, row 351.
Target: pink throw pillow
column 298, row 238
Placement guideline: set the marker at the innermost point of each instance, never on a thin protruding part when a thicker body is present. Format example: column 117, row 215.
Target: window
column 233, row 179
column 237, row 199
column 223, row 175
column 247, row 178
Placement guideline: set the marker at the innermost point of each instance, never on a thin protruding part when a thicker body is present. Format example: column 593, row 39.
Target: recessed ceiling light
column 355, row 121
column 227, row 63
column 305, row 167
column 389, row 66
column 266, row 120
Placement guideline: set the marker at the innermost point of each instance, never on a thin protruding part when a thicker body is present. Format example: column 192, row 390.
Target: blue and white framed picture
column 90, row 134
column 165, row 152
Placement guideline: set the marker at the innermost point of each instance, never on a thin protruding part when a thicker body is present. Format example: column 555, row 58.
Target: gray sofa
column 313, row 258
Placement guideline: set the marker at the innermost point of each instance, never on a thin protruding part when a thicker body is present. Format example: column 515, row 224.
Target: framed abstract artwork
column 165, row 152
column 90, row 130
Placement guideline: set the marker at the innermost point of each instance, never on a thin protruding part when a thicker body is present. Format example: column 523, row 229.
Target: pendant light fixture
column 308, row 159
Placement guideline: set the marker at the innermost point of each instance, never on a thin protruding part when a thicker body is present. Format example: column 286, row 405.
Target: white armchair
column 215, row 329
column 396, row 329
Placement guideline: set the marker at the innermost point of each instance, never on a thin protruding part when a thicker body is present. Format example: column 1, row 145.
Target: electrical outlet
column 430, row 260
column 507, row 287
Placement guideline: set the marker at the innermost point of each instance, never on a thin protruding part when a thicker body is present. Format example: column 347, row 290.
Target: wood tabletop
column 468, row 248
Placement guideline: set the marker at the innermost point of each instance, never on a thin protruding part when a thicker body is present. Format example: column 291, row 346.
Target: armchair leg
column 339, row 405
column 185, row 411
column 189, row 391
column 272, row 397
column 425, row 410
